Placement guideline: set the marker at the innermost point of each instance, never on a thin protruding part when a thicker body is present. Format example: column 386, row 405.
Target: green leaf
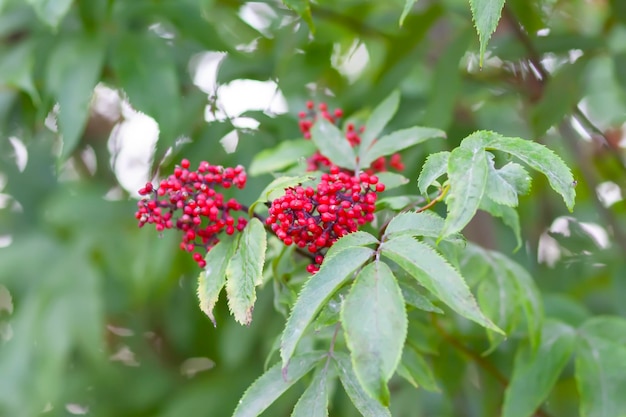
column 377, row 121
column 435, row 166
column 73, row 72
column 498, row 188
column 467, row 173
column 332, row 144
column 354, row 239
column 51, row 11
column 508, row 215
column 273, row 383
column 535, row 156
column 397, row 141
column 146, row 70
column 277, row 188
column 317, row 291
column 516, row 176
column 536, row 372
column 416, row 370
column 245, row 271
column 486, row 14
column 367, row 406
column 411, row 223
column 601, row 367
column 16, row 68
column 408, row 5
column 413, row 297
column 314, row 401
column 284, row 155
column 303, row 8
column 374, row 320
column 212, row 279
column 432, row 271
column 392, row 180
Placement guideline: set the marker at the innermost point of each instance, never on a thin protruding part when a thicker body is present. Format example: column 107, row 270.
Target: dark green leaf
column 314, row 401
column 508, row 215
column 273, row 383
column 303, row 8
column 332, row 144
column 212, row 279
column 416, row 370
column 334, row 271
column 398, row 140
column 374, row 320
column 486, row 14
column 436, row 275
column 536, row 372
column 367, row 406
column 467, row 173
column 286, row 154
column 16, row 68
column 435, row 166
column 413, row 297
column 245, row 271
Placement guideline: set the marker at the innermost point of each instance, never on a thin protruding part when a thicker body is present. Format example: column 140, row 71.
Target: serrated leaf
column 411, row 223
column 414, row 368
column 303, row 8
column 73, row 72
column 273, row 383
column 354, row 239
column 284, row 155
column 397, row 141
column 392, row 180
column 245, row 271
column 508, row 215
column 536, row 372
column 499, row 189
column 532, row 154
column 51, row 11
column 517, row 177
column 486, row 14
column 314, row 401
column 408, row 5
column 436, row 275
column 601, row 367
column 367, row 406
column 212, row 279
column 467, row 173
column 434, row 167
column 374, row 321
column 317, row 291
column 377, row 121
column 332, row 144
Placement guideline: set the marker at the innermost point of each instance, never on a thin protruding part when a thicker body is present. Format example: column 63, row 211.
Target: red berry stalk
column 188, row 201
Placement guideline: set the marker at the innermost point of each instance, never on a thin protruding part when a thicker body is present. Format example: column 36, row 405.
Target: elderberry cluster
column 318, row 161
column 188, row 201
column 314, row 218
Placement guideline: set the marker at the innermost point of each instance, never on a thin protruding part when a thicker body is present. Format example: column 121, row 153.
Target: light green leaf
column 377, row 121
column 317, row 291
column 516, row 176
column 245, row 271
column 212, row 279
column 146, row 70
column 436, row 275
column 411, row 223
column 435, row 166
column 73, row 72
column 508, row 215
column 498, row 188
column 374, row 320
column 367, row 406
column 354, row 239
column 532, row 154
column 416, row 370
column 467, row 173
column 303, row 8
column 397, row 141
column 16, row 68
column 413, row 297
column 273, row 383
column 601, row 367
column 284, row 155
column 314, row 401
column 536, row 372
column 486, row 14
column 408, row 5
column 277, row 188
column 332, row 144
column 392, row 180
column 51, row 11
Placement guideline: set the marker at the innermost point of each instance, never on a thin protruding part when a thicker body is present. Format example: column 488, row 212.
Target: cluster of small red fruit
column 312, row 218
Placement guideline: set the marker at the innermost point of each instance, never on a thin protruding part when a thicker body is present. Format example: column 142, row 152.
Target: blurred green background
column 100, row 318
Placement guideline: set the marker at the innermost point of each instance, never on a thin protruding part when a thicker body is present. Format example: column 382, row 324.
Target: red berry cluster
column 314, row 218
column 204, row 213
column 318, row 161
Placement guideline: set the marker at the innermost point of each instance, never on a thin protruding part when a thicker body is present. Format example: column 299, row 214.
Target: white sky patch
column 609, row 193
column 20, row 153
column 258, row 15
column 351, row 62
